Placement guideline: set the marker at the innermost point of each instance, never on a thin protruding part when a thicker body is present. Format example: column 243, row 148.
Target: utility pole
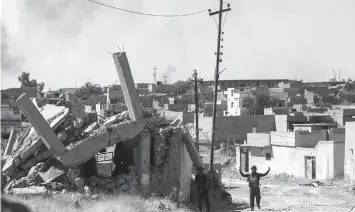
column 218, row 60
column 196, row 81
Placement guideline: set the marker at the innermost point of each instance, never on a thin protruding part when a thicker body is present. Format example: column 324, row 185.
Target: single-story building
column 301, row 154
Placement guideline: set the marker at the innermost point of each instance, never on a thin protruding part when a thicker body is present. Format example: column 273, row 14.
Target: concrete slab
column 105, row 137
column 10, row 142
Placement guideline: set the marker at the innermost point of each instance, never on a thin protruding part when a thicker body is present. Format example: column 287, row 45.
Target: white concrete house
column 235, row 99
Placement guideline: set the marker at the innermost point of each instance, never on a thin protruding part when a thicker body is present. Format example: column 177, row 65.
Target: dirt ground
column 284, row 193
column 295, row 198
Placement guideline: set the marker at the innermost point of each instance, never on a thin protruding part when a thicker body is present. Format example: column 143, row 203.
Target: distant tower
column 155, row 74
column 165, row 79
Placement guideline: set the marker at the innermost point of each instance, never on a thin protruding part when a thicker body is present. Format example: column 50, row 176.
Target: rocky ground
column 285, row 193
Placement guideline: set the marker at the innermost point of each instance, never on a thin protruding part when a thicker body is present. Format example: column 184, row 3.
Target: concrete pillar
column 11, row 142
column 135, row 113
column 50, row 139
column 144, row 162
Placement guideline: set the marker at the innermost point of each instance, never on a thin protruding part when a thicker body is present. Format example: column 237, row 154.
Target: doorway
column 310, row 167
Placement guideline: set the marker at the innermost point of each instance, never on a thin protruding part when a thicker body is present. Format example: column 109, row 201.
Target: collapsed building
column 60, row 151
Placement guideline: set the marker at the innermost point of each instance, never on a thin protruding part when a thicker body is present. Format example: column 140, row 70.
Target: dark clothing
column 201, row 180
column 254, row 185
column 203, row 195
column 254, row 194
column 254, row 179
column 202, row 190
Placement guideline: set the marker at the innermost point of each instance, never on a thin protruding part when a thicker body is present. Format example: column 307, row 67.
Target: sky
column 65, row 43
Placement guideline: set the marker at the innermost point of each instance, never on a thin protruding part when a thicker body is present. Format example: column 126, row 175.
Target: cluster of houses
column 306, row 134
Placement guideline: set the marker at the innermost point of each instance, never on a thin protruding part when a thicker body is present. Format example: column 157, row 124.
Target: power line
column 224, row 20
column 215, row 21
column 148, row 14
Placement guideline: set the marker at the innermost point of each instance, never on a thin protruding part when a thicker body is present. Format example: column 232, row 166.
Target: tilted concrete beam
column 127, row 85
column 135, row 113
column 50, row 139
column 191, row 148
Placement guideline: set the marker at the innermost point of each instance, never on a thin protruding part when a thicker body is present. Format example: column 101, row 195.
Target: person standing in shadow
column 202, row 188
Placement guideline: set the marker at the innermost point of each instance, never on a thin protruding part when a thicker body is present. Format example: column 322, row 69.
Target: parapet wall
column 283, row 138
column 309, row 139
column 185, row 117
column 259, row 138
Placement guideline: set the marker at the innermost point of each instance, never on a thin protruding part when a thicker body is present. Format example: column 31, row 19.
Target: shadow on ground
column 231, row 187
column 234, row 207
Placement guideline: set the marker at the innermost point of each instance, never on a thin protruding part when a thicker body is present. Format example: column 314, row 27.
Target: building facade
column 349, row 165
column 303, row 155
column 235, row 101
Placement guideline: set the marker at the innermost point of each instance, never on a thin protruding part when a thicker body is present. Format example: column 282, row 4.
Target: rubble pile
column 32, row 168
column 29, row 154
column 30, row 149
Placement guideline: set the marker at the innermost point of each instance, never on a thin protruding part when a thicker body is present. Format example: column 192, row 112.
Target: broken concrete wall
column 164, row 171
